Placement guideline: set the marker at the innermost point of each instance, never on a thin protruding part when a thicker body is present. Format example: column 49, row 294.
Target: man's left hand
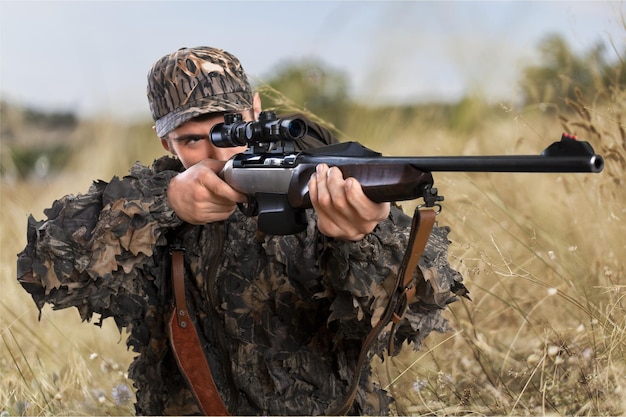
column 343, row 210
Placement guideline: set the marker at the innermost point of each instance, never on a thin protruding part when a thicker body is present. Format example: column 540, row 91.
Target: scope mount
column 267, row 135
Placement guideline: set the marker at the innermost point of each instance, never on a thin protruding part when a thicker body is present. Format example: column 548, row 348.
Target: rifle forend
column 276, row 181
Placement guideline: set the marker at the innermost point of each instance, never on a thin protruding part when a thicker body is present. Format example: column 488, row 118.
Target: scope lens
column 297, row 129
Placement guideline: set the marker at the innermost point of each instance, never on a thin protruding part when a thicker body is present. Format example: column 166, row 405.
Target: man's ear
column 166, row 145
column 256, row 105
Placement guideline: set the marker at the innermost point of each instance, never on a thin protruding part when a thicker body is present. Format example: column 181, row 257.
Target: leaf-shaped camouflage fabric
column 281, row 318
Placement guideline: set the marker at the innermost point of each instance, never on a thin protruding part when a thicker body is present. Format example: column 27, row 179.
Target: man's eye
column 192, row 139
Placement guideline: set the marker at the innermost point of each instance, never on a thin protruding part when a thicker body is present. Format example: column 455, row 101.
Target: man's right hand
column 199, row 196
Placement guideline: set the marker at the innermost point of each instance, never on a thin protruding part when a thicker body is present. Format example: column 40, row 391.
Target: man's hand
column 343, row 210
column 199, row 196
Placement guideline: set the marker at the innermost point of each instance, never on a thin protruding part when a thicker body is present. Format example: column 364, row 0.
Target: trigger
column 250, row 208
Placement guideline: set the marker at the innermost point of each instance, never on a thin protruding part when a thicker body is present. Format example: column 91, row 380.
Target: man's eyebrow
column 189, row 136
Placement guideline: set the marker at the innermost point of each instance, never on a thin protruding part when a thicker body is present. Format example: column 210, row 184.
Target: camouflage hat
column 195, row 81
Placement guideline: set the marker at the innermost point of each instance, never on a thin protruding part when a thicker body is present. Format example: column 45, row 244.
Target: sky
column 92, row 57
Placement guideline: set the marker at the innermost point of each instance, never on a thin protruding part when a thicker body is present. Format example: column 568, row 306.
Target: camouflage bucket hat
column 195, row 81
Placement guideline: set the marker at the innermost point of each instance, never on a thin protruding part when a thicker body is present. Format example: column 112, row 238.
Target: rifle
column 275, row 177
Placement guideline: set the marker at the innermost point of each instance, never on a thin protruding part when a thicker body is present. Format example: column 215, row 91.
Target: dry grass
column 58, row 365
column 540, row 253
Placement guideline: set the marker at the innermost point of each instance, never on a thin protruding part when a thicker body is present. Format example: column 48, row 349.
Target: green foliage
column 308, row 86
column 561, row 72
column 40, row 161
column 51, row 120
column 13, row 117
column 468, row 114
column 34, row 142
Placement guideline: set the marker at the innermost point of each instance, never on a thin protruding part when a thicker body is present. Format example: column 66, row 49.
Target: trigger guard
column 250, row 208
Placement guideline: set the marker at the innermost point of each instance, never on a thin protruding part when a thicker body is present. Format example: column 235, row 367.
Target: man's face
column 191, row 141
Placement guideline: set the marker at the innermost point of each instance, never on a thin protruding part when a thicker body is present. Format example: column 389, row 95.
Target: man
column 281, row 320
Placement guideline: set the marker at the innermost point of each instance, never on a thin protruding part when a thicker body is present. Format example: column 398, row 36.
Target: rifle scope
column 235, row 132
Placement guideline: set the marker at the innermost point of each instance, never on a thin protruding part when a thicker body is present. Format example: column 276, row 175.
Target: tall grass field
column 542, row 256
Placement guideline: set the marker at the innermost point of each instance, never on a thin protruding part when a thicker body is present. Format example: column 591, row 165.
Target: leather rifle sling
column 403, row 293
column 187, row 348
column 418, row 241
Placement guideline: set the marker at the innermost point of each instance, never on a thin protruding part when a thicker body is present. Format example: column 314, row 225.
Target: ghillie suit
column 281, row 318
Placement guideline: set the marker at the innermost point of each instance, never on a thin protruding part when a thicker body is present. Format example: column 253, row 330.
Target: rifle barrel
column 567, row 155
column 519, row 163
column 493, row 163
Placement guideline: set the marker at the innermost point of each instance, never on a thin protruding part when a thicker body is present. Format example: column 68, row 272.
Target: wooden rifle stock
column 407, row 178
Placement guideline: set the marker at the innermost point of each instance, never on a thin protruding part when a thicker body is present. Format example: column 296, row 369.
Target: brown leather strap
column 423, row 222
column 187, row 348
column 178, row 283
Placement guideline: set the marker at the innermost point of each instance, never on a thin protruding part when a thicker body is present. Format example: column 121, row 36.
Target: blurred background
column 542, row 255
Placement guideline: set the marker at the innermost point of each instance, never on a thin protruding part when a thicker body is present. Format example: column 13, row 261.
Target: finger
column 336, row 186
column 200, row 206
column 361, row 204
column 220, row 191
column 325, row 223
column 354, row 193
column 313, row 188
column 323, row 197
column 314, row 185
column 213, row 212
column 213, row 164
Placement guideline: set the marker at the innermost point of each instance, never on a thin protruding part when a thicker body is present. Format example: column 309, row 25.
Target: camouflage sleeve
column 363, row 275
column 92, row 249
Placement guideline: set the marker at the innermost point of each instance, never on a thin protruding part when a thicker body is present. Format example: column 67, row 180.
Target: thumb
column 213, row 164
